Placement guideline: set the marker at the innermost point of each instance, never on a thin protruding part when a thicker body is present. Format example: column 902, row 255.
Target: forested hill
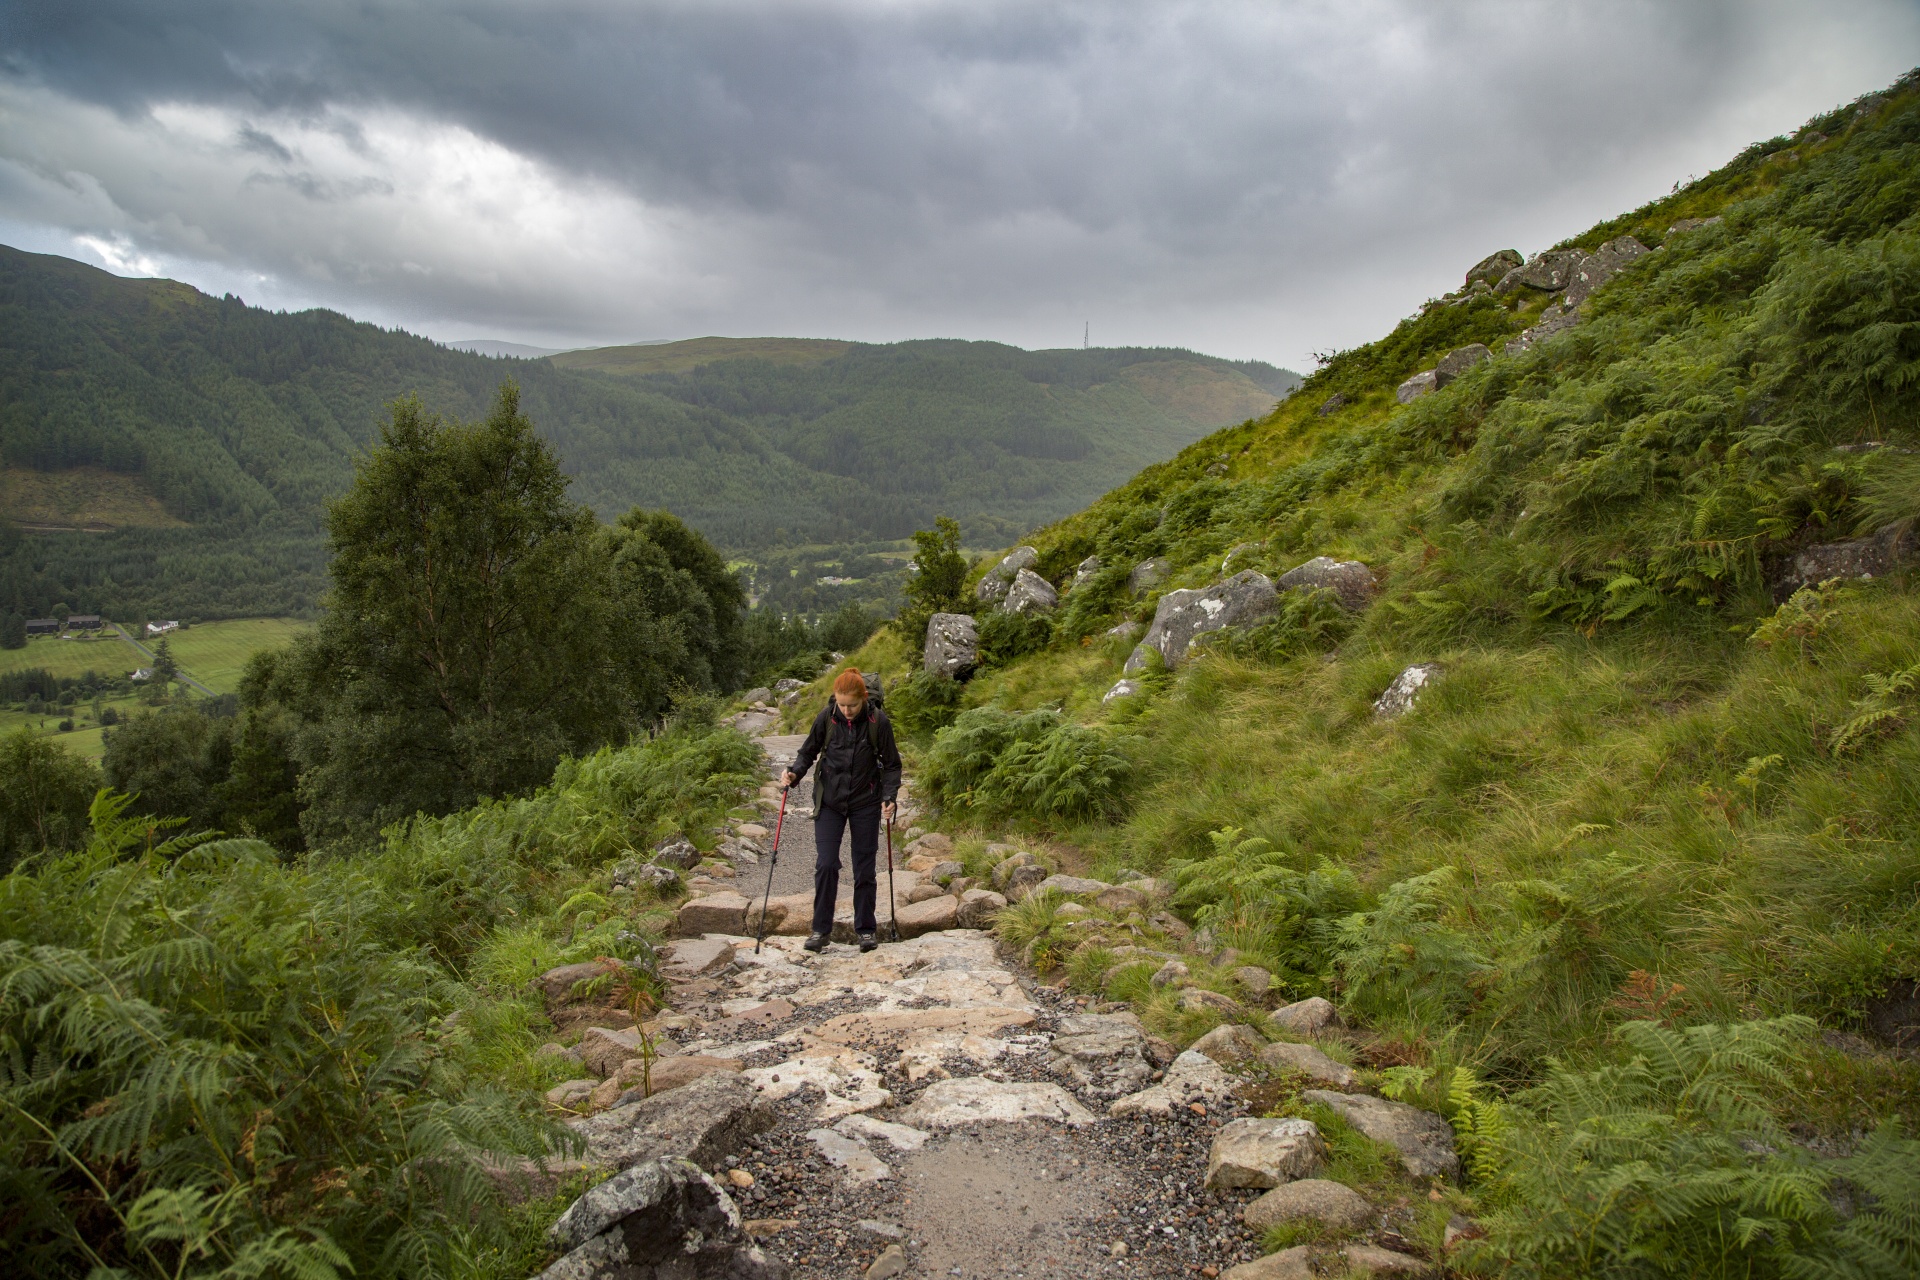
column 171, row 451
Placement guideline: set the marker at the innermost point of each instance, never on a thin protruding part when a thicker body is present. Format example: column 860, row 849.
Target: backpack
column 877, row 700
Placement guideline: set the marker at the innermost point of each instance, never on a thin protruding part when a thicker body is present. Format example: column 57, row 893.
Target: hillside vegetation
column 196, row 440
column 1645, row 791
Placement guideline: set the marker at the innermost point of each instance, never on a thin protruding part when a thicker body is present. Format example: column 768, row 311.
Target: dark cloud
column 1257, row 178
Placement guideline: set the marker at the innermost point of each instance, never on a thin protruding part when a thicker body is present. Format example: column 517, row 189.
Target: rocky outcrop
column 1192, row 1079
column 1875, row 556
column 1084, row 571
column 1306, row 1017
column 993, row 588
column 1599, row 267
column 677, row 852
column 1493, row 268
column 1330, row 405
column 948, row 1104
column 661, row 1220
column 1550, row 271
column 1423, row 1139
column 1030, row 593
column 1307, row 1061
column 1147, row 575
column 1350, row 581
column 1121, row 689
column 1230, row 1043
column 1458, row 361
column 953, row 645
column 1413, row 388
column 1684, row 225
column 1405, row 690
column 1182, row 616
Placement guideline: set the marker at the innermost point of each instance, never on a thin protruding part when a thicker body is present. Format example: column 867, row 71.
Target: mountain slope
column 239, row 424
column 1660, row 771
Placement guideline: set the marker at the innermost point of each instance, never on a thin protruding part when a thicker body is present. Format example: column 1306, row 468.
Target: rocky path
column 928, row 1108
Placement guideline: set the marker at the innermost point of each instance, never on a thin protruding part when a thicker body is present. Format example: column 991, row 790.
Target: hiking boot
column 815, row 942
column 869, row 941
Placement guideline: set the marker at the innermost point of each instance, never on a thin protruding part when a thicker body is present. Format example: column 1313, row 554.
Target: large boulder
column 970, row 1100
column 953, row 645
column 1551, row 271
column 1350, row 581
column 929, row 916
column 1493, row 268
column 1599, row 267
column 1415, row 387
column 661, row 1220
column 1871, row 557
column 696, row 958
column 1553, row 319
column 1459, row 361
column 677, row 852
column 705, row 1122
column 1084, row 571
column 1264, row 1153
column 1242, row 600
column 1306, row 1017
column 1192, row 1078
column 1147, row 575
column 1229, row 1043
column 1072, row 886
column 1030, row 593
column 999, row 579
column 1423, row 1140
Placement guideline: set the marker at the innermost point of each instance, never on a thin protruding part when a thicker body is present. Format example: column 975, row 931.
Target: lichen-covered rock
column 661, row 1220
column 1415, row 387
column 1243, row 600
column 1331, row 404
column 1405, row 690
column 1147, row 575
column 1030, row 593
column 1599, row 267
column 1459, row 361
column 1423, row 1139
column 1072, row 886
column 1493, row 268
column 677, row 852
column 1085, row 570
column 953, row 645
column 1121, row 689
column 1875, row 556
column 1022, row 881
column 1550, row 271
column 1350, row 581
column 994, row 586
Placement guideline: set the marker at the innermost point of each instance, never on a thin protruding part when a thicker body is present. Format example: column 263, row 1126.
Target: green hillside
column 169, row 452
column 1650, row 786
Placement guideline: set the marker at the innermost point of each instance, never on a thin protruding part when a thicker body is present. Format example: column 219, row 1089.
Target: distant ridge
column 494, row 347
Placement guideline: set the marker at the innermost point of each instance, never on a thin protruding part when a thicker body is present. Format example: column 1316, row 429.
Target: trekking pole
column 773, row 865
column 893, row 903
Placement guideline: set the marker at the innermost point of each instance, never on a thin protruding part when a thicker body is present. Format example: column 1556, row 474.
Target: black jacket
column 852, row 774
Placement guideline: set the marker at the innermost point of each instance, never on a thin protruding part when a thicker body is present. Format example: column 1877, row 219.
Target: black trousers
column 828, row 826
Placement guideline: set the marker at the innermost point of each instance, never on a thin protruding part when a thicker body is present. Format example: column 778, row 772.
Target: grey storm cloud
column 1253, row 178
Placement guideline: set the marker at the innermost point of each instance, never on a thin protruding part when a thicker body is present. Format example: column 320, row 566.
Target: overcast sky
column 1252, row 179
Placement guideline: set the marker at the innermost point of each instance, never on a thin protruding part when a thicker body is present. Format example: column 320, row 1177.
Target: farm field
column 214, row 653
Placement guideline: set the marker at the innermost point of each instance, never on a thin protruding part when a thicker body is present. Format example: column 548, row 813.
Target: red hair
column 850, row 685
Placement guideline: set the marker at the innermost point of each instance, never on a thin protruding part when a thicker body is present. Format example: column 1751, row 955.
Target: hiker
column 858, row 782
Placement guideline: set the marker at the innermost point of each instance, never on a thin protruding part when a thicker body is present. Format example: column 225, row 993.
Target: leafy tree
column 482, row 626
column 44, row 793
column 169, row 762
column 938, row 583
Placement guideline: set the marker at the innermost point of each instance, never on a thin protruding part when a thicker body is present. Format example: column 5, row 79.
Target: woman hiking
column 857, row 785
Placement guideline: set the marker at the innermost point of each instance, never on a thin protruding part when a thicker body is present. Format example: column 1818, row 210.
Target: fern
column 1880, row 712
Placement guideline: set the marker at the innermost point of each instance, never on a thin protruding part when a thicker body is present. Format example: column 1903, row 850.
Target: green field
column 214, row 653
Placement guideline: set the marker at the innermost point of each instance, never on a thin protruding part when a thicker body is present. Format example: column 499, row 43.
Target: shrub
column 1036, row 766
column 1005, row 637
column 924, row 703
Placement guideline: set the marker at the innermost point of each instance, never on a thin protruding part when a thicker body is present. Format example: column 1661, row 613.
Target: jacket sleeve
column 810, row 749
column 889, row 762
